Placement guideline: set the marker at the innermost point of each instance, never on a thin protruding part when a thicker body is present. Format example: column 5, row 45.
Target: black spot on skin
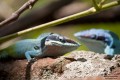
column 36, row 47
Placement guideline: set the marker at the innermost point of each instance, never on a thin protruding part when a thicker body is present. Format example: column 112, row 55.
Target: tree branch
column 15, row 15
column 101, row 3
column 60, row 21
column 95, row 5
column 38, row 16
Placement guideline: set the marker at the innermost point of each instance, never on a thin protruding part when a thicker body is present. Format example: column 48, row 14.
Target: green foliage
column 60, row 21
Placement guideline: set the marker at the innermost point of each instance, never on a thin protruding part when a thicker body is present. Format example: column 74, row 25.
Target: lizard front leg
column 34, row 53
column 109, row 52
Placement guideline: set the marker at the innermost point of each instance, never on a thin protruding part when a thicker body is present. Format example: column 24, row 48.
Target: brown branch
column 38, row 16
column 15, row 15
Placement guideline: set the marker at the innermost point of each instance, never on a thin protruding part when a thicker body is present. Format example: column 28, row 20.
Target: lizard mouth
column 66, row 43
column 71, row 41
column 94, row 37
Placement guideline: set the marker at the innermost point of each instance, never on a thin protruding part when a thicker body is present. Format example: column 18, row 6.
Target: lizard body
column 101, row 41
column 48, row 44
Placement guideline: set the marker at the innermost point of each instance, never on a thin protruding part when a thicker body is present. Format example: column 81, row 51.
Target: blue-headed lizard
column 47, row 44
column 101, row 41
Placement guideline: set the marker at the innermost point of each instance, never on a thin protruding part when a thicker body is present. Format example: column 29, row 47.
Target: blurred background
column 49, row 10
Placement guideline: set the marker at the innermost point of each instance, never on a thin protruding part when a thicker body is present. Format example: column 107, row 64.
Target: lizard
column 100, row 41
column 47, row 44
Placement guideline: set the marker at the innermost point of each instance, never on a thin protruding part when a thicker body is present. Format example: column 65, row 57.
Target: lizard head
column 99, row 40
column 93, row 34
column 56, row 44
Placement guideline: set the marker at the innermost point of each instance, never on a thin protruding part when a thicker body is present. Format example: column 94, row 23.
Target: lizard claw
column 32, row 60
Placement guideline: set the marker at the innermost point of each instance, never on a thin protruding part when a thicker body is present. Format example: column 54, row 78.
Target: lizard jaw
column 57, row 43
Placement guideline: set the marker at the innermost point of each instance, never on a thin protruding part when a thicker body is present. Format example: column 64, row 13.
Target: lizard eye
column 36, row 47
column 61, row 39
column 93, row 37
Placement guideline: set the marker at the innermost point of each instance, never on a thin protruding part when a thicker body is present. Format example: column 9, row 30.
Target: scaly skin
column 47, row 44
column 101, row 41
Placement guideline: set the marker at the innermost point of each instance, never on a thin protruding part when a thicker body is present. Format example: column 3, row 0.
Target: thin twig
column 28, row 5
column 101, row 3
column 95, row 5
column 60, row 21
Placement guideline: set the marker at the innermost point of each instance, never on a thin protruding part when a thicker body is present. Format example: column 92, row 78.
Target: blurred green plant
column 92, row 10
